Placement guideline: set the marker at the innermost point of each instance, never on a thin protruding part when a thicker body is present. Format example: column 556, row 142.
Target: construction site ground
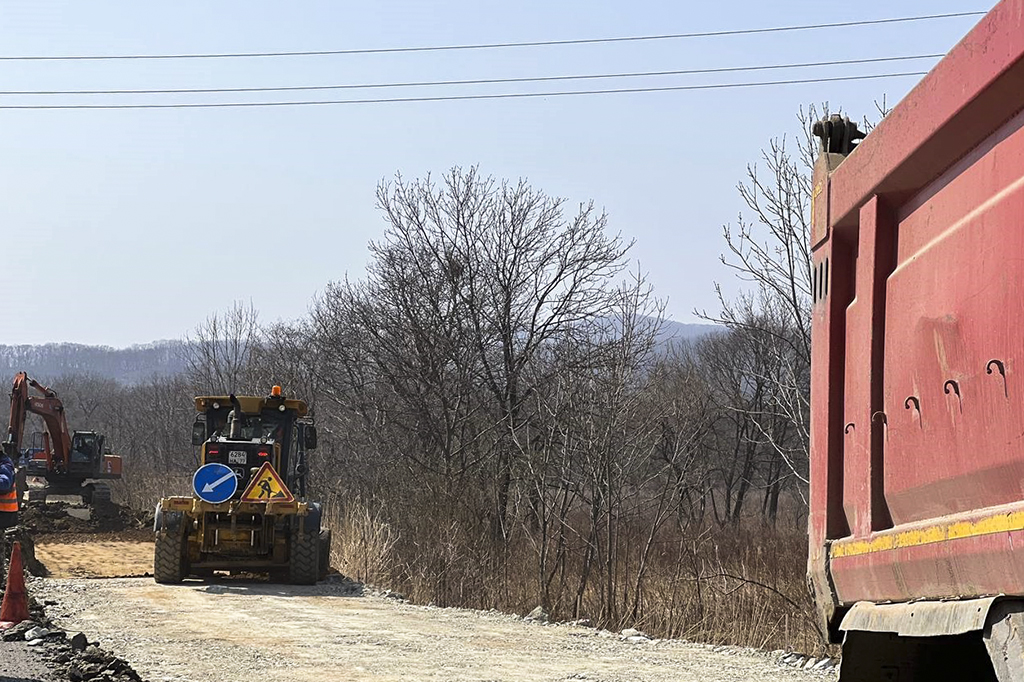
column 235, row 632
column 227, row 630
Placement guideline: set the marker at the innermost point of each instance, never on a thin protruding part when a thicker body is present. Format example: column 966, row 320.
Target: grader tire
column 169, row 564
column 304, row 560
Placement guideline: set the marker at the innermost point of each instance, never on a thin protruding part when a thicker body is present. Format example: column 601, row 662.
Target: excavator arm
column 48, row 406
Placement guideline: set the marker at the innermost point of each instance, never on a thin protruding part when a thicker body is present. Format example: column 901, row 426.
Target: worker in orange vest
column 8, row 493
column 8, row 504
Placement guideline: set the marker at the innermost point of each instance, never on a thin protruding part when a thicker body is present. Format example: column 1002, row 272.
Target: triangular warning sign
column 267, row 486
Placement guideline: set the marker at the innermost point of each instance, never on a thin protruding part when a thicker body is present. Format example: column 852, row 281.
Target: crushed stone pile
column 70, row 656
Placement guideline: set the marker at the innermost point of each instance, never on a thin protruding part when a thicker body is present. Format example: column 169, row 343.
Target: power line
column 452, row 98
column 489, row 46
column 480, row 81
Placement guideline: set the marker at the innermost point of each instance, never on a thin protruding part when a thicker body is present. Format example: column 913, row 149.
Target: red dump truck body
column 917, row 388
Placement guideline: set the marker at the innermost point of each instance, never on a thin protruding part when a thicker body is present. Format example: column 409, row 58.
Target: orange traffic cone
column 15, row 605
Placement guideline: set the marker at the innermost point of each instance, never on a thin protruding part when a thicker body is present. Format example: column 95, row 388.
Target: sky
column 121, row 227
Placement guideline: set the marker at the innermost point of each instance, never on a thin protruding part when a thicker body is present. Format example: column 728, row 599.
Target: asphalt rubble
column 69, row 656
column 65, row 518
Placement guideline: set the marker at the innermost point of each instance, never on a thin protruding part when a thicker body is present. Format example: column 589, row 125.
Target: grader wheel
column 304, row 561
column 169, row 561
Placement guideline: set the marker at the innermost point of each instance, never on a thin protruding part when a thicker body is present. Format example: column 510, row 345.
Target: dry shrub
column 739, row 585
column 362, row 545
column 142, row 490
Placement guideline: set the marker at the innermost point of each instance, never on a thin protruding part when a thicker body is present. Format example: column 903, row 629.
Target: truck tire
column 169, row 562
column 325, row 553
column 304, row 557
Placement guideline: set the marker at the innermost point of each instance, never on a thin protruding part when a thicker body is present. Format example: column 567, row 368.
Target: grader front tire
column 169, row 562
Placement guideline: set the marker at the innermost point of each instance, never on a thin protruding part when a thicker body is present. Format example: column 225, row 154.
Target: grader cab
column 248, row 511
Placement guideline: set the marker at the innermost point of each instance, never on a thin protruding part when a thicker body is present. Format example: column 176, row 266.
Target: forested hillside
column 138, row 363
column 124, row 365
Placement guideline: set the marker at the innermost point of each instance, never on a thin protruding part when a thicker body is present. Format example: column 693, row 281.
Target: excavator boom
column 50, row 408
column 68, row 459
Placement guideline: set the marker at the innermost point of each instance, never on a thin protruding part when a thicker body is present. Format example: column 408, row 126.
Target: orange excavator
column 71, row 463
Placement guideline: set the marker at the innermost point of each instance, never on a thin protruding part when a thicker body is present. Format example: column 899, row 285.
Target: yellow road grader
column 247, row 512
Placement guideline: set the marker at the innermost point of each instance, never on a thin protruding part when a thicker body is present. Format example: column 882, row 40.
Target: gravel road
column 19, row 663
column 238, row 632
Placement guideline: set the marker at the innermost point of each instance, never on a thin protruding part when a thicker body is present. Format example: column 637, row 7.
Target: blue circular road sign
column 214, row 483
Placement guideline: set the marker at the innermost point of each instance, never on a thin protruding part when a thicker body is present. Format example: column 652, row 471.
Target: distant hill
column 127, row 365
column 679, row 331
column 136, row 364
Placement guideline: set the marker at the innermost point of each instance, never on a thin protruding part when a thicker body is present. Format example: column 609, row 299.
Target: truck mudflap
column 919, row 619
column 934, row 640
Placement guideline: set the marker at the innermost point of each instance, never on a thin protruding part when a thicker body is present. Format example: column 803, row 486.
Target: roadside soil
column 95, row 556
column 231, row 631
column 71, row 541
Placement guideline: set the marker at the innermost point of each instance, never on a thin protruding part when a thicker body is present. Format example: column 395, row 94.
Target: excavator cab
column 86, row 448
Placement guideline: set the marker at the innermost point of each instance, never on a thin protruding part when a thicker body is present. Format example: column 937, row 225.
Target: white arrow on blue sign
column 214, row 483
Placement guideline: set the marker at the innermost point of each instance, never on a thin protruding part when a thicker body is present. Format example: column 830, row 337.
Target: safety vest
column 9, row 501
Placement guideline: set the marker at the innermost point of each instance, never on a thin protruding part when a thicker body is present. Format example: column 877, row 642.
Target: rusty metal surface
column 917, row 404
column 963, row 247
column 919, row 619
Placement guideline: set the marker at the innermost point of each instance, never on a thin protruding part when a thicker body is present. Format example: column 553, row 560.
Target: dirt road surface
column 101, row 557
column 237, row 632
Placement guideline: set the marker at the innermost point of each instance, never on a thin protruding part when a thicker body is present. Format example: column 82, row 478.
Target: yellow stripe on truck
column 954, row 530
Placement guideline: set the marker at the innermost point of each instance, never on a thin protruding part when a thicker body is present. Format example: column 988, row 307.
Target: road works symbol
column 214, row 483
column 267, row 486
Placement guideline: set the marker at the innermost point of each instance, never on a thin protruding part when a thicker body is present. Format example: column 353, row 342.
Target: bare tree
column 526, row 276
column 217, row 354
column 772, row 253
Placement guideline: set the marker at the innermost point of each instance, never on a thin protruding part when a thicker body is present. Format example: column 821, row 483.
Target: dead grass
column 362, row 545
column 741, row 585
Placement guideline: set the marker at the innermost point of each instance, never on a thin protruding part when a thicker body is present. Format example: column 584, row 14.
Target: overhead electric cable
column 451, row 98
column 489, row 46
column 479, row 81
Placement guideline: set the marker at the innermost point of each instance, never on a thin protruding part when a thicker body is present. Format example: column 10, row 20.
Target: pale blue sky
column 122, row 227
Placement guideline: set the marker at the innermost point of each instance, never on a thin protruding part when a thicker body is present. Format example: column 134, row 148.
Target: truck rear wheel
column 169, row 562
column 304, row 559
